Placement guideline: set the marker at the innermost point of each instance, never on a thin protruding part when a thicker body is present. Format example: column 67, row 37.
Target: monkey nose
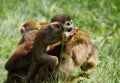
column 69, row 29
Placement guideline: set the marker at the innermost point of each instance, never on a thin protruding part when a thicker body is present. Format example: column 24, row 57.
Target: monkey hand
column 52, row 47
column 54, row 64
column 68, row 35
column 74, row 31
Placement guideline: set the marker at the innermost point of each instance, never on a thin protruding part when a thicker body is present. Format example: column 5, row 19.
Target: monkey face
column 65, row 20
column 28, row 26
column 69, row 25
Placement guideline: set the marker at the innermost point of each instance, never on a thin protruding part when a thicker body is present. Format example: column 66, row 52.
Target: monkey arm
column 44, row 59
column 48, row 60
column 53, row 46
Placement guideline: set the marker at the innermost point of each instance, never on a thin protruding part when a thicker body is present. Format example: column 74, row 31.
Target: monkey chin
column 67, row 34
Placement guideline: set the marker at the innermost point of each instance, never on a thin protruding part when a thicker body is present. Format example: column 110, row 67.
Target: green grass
column 100, row 18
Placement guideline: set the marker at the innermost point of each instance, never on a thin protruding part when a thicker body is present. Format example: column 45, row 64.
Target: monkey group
column 49, row 50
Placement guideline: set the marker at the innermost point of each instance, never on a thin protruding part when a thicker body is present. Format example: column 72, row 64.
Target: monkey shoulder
column 78, row 38
column 80, row 41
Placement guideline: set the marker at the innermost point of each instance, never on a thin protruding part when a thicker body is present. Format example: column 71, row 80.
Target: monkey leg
column 32, row 72
column 92, row 61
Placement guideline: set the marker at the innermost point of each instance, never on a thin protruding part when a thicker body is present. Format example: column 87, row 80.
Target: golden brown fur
column 79, row 50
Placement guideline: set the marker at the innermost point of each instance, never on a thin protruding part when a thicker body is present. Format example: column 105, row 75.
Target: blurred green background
column 100, row 18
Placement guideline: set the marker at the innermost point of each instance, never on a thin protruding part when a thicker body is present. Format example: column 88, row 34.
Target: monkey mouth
column 69, row 29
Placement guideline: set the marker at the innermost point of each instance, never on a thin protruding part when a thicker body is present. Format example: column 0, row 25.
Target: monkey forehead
column 68, row 21
column 60, row 18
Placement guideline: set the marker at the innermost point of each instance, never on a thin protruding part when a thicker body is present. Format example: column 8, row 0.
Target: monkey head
column 28, row 26
column 65, row 20
column 54, row 32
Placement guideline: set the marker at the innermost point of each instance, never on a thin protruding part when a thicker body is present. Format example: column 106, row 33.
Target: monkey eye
column 68, row 24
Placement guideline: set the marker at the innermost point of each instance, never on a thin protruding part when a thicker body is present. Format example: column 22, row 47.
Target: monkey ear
column 22, row 30
column 57, row 25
